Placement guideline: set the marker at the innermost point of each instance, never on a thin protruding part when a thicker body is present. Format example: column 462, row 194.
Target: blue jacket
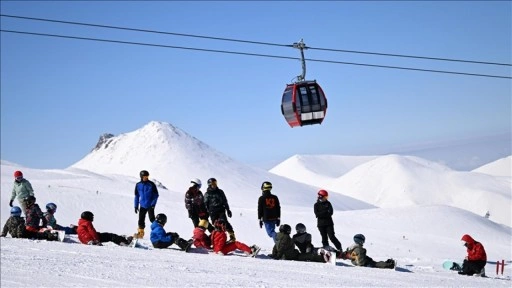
column 158, row 234
column 146, row 194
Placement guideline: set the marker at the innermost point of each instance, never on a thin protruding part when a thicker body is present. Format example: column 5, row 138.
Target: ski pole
column 502, row 266
column 497, row 266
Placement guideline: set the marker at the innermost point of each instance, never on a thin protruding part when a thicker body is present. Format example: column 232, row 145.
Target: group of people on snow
column 209, row 213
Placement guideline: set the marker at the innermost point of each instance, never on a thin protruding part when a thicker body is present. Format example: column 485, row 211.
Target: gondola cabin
column 303, row 103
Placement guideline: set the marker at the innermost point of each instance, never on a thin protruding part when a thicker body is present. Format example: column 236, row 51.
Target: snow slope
column 500, row 167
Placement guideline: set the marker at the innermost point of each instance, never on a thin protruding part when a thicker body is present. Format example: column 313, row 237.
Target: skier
column 476, row 259
column 146, row 194
column 15, row 226
column 221, row 247
column 284, row 249
column 21, row 189
column 269, row 210
column 201, row 239
column 88, row 235
column 217, row 206
column 357, row 254
column 51, row 209
column 161, row 239
column 323, row 212
column 194, row 202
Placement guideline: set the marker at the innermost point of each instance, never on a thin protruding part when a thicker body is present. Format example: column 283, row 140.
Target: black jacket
column 215, row 201
column 268, row 206
column 323, row 213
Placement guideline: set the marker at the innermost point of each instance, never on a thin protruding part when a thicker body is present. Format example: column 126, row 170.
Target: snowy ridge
column 500, row 167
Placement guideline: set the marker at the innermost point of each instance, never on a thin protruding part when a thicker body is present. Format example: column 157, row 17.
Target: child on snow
column 15, row 226
column 357, row 254
column 51, row 208
column 88, row 235
column 201, row 240
column 323, row 212
column 476, row 259
column 269, row 210
column 219, row 241
column 284, row 249
column 160, row 239
column 34, row 215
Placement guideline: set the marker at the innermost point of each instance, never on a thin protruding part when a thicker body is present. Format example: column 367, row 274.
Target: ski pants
column 270, row 227
column 142, row 216
column 222, row 215
column 111, row 237
column 235, row 245
column 472, row 267
column 327, row 233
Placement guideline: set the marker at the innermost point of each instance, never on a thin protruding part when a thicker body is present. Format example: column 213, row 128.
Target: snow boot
column 183, row 244
column 139, row 234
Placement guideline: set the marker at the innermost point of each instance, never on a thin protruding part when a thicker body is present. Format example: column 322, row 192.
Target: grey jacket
column 22, row 189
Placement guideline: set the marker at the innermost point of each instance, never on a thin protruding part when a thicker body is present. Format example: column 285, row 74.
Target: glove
column 278, row 222
column 136, row 210
column 229, row 213
column 10, row 203
column 152, row 207
column 261, row 224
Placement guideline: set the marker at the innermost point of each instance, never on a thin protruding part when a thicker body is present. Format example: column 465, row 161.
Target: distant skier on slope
column 357, row 254
column 269, row 210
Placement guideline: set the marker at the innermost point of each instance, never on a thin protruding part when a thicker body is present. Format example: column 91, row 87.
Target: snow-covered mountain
column 500, row 167
column 173, row 157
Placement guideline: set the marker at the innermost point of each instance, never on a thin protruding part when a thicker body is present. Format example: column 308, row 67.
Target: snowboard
column 61, row 235
column 451, row 265
column 189, row 244
column 135, row 244
column 256, row 251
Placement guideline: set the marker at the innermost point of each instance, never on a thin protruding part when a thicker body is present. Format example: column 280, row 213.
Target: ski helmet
column 87, row 215
column 196, row 182
column 15, row 211
column 323, row 193
column 51, row 207
column 300, row 228
column 266, row 186
column 161, row 219
column 144, row 173
column 18, row 174
column 359, row 239
column 285, row 228
column 29, row 200
column 212, row 182
column 203, row 223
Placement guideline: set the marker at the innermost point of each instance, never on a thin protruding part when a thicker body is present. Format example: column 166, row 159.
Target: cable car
column 304, row 101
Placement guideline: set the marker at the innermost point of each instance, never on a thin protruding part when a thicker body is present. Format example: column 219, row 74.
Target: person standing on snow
column 217, row 206
column 476, row 259
column 194, row 202
column 21, row 189
column 146, row 195
column 269, row 210
column 323, row 212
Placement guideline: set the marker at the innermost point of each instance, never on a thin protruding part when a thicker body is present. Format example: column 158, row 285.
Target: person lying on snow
column 88, row 235
column 357, row 254
column 161, row 239
column 223, row 247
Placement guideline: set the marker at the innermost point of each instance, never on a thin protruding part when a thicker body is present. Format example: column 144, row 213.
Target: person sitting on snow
column 219, row 239
column 88, row 235
column 161, row 239
column 201, row 239
column 357, row 254
column 15, row 226
column 476, row 259
column 34, row 215
column 284, row 249
column 51, row 208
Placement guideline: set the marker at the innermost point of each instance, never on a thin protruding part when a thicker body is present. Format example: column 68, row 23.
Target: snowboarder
column 269, row 210
column 21, row 189
column 476, row 259
column 217, row 206
column 34, row 215
column 323, row 212
column 146, row 195
column 15, row 226
column 161, row 239
column 357, row 254
column 284, row 249
column 51, row 209
column 194, row 202
column 201, row 239
column 88, row 235
column 222, row 247
column 302, row 239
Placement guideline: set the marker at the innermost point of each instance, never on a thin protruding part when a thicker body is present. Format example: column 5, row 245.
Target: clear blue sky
column 59, row 95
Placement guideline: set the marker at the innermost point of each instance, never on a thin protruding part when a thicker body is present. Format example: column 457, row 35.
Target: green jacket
column 284, row 248
column 22, row 189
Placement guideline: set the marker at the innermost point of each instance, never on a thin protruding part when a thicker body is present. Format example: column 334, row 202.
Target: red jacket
column 218, row 240
column 201, row 240
column 86, row 231
column 476, row 251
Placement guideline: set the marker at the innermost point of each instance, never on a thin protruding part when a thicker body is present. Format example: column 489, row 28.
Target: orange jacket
column 86, row 231
column 476, row 251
